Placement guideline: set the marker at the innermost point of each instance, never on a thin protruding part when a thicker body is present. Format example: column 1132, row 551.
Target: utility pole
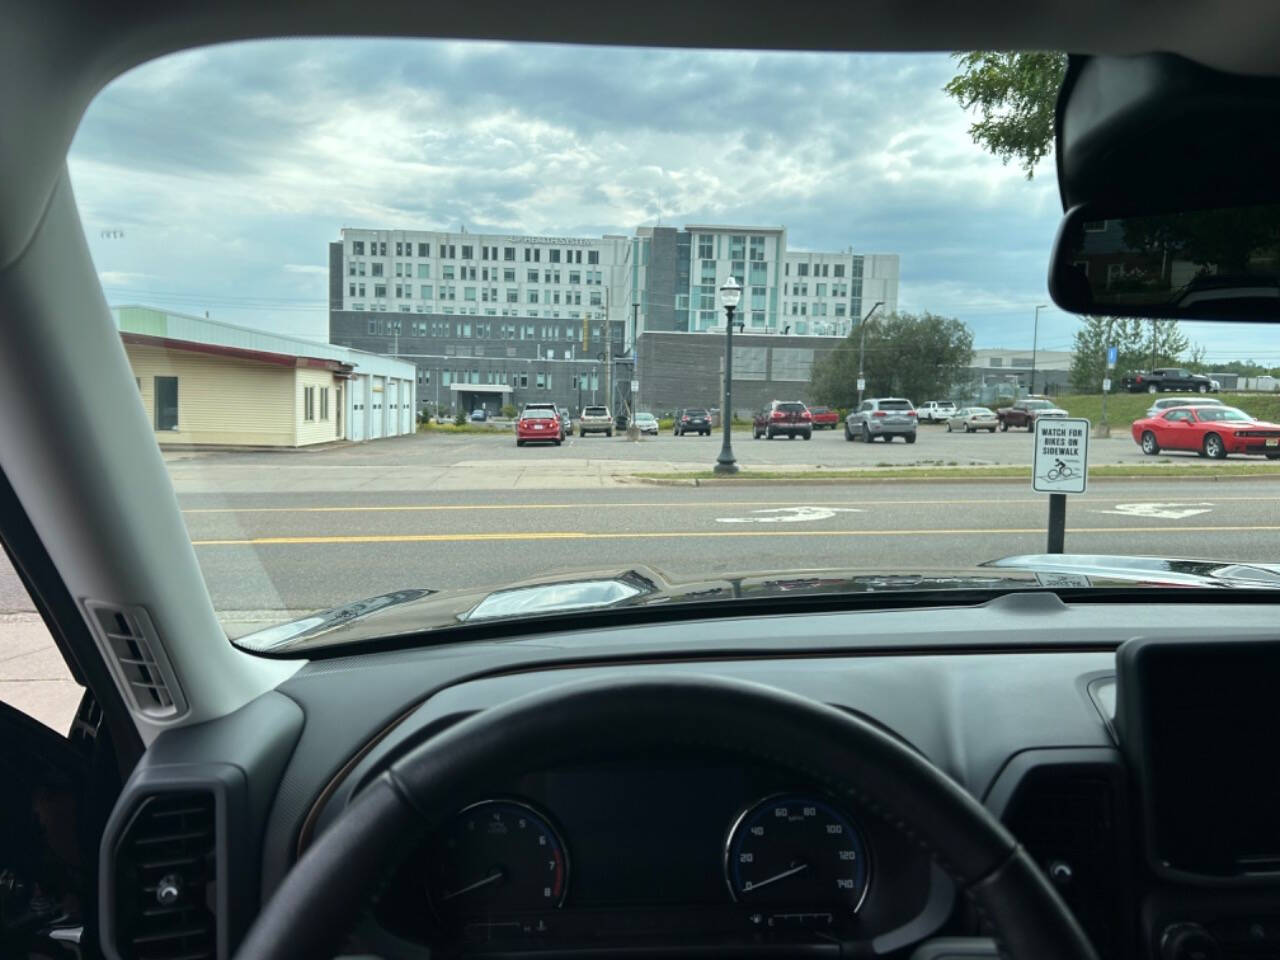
column 608, row 354
column 1035, row 342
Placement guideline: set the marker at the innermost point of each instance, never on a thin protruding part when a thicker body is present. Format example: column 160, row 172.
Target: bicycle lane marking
column 1163, row 511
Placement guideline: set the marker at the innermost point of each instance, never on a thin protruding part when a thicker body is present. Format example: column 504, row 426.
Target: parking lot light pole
column 730, row 294
column 862, row 344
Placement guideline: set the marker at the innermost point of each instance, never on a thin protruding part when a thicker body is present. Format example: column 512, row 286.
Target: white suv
column 936, row 411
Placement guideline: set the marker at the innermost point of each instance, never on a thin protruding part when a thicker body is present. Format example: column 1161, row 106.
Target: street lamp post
column 730, row 294
column 1035, row 340
column 862, row 344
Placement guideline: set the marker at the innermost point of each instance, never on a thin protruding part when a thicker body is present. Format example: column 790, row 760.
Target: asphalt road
column 263, row 556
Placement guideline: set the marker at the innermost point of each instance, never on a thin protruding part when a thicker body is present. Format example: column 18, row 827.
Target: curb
column 837, row 481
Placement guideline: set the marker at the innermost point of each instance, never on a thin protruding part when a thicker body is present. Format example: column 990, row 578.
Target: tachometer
column 496, row 857
column 795, row 850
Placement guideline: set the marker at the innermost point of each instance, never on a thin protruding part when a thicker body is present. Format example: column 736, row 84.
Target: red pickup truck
column 1025, row 412
column 824, row 418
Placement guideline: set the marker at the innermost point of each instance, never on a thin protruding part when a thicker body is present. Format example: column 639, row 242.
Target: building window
column 357, row 248
column 360, row 268
column 839, row 309
column 553, row 256
column 166, row 399
column 424, row 291
column 508, row 275
column 379, row 289
column 468, row 252
column 351, row 289
column 469, row 293
column 819, row 289
column 513, row 296
column 532, row 276
column 593, row 256
column 424, row 271
column 447, row 272
column 376, row 269
column 424, row 249
column 706, row 249
column 308, row 403
column 757, row 318
column 533, row 296
column 324, row 403
column 541, row 382
column 399, row 249
column 802, row 269
column 757, row 248
column 524, row 381
column 382, row 248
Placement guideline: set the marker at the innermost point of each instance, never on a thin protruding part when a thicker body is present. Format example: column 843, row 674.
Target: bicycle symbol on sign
column 1059, row 471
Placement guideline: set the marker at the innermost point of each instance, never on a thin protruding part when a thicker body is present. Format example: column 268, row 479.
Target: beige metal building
column 208, row 383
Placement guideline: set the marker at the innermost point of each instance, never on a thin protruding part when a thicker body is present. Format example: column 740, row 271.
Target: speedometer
column 796, row 850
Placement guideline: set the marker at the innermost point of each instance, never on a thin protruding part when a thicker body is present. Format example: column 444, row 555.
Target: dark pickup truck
column 1164, row 379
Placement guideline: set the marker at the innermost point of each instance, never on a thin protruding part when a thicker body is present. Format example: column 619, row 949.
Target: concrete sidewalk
column 33, row 676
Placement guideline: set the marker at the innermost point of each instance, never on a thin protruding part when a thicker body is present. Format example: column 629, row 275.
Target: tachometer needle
column 491, row 878
column 774, row 879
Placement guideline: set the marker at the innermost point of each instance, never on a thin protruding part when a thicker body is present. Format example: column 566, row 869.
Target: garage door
column 392, row 418
column 377, row 399
column 357, row 389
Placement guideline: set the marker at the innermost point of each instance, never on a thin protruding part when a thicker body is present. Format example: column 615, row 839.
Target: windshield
column 353, row 305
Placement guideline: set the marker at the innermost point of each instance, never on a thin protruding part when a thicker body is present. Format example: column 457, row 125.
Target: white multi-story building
column 485, row 275
column 826, row 294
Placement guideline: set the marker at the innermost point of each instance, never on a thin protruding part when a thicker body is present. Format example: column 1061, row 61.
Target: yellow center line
column 694, row 535
column 702, row 504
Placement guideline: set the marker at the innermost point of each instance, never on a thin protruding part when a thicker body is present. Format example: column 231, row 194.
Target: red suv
column 789, row 418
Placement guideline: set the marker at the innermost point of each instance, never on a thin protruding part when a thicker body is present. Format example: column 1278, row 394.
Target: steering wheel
column 321, row 899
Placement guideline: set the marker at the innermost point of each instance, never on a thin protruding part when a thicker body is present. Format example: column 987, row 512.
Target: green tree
column 1015, row 95
column 907, row 355
column 1134, row 339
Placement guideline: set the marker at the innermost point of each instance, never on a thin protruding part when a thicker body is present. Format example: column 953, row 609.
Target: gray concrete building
column 687, row 369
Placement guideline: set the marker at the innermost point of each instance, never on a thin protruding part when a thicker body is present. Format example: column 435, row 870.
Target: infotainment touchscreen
column 1200, row 725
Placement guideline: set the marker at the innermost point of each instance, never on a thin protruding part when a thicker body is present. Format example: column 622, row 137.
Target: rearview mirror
column 1221, row 263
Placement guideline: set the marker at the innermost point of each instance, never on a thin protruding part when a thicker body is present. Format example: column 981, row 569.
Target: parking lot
column 828, row 448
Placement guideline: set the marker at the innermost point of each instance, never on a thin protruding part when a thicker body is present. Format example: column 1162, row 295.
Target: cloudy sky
column 229, row 170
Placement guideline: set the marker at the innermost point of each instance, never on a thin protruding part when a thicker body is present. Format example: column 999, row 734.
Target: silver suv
column 886, row 417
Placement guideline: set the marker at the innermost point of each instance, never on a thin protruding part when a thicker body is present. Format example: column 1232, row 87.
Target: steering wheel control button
column 794, row 850
column 1060, row 872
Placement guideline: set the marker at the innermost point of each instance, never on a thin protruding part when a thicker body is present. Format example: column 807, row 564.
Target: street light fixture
column 862, row 345
column 1035, row 340
column 730, row 295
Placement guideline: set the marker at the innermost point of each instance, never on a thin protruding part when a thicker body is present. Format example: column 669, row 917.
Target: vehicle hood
column 409, row 612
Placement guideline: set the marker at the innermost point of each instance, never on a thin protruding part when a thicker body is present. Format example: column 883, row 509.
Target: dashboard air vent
column 166, row 872
column 127, row 635
column 1072, row 822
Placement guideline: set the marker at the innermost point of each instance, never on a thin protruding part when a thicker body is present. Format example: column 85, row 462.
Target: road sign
column 635, row 386
column 1061, row 455
column 1112, row 354
column 1106, row 385
column 862, row 384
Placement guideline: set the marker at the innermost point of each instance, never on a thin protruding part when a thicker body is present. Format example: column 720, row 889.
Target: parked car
column 692, row 420
column 970, row 419
column 1210, row 431
column 646, row 423
column 1167, row 403
column 1163, row 379
column 824, row 418
column 1025, row 412
column 935, row 411
column 886, row 417
column 595, row 420
column 479, row 416
column 539, row 423
column 783, row 418
column 566, row 420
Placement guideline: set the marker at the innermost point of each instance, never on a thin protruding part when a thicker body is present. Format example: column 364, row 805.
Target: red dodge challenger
column 1210, row 431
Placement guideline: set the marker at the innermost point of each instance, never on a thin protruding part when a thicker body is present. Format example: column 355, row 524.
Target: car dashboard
column 692, row 852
